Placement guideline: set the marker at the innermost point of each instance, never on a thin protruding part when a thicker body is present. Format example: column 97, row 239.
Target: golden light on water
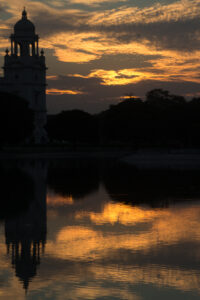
column 120, row 213
column 159, row 275
column 166, row 226
column 112, row 245
column 53, row 201
column 158, row 227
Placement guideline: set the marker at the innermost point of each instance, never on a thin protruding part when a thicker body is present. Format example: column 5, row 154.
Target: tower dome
column 25, row 73
column 24, row 27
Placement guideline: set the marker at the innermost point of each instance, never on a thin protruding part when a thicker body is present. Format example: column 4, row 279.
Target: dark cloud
column 49, row 23
column 183, row 34
column 99, row 97
column 72, row 82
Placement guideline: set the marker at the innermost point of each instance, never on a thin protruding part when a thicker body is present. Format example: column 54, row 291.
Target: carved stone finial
column 24, row 14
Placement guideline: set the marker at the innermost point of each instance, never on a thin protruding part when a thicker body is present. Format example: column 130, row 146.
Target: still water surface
column 98, row 230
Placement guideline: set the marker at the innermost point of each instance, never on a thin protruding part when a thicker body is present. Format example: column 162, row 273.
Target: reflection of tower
column 26, row 234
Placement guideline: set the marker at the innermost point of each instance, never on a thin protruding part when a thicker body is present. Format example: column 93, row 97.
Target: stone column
column 33, row 49
column 37, row 48
column 16, row 48
column 12, row 47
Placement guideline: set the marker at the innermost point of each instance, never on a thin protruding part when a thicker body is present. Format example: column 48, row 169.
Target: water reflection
column 17, row 190
column 74, row 178
column 25, row 228
column 158, row 188
column 114, row 232
column 124, row 183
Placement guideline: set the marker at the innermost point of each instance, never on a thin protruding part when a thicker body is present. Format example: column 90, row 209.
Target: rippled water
column 98, row 230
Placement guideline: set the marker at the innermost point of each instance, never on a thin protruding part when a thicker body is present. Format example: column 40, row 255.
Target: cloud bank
column 166, row 37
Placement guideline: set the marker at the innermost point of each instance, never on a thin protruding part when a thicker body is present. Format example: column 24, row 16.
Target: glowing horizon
column 103, row 50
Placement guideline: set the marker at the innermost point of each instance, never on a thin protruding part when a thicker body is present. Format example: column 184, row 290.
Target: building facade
column 25, row 73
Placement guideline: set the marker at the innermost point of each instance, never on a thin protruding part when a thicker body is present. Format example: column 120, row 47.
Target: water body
column 77, row 229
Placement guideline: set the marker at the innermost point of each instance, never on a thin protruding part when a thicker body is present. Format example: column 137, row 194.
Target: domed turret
column 24, row 27
column 25, row 72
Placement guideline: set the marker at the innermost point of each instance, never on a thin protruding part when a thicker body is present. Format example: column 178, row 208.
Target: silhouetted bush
column 162, row 120
column 16, row 119
column 74, row 126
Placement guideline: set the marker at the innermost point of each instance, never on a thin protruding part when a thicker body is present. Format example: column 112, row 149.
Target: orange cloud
column 183, row 9
column 79, row 46
column 63, row 92
column 52, row 77
column 93, row 2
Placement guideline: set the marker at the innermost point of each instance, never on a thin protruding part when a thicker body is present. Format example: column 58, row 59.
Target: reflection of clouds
column 105, row 243
column 96, row 287
column 108, row 239
column 121, row 213
column 75, row 243
column 12, row 288
column 167, row 224
column 160, row 275
column 98, row 275
column 95, row 291
column 166, row 228
column 57, row 200
column 8, row 281
column 70, row 282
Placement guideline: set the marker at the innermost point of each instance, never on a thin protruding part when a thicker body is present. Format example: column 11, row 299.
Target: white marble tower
column 25, row 73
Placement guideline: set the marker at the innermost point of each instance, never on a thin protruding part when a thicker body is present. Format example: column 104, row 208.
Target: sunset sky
column 98, row 51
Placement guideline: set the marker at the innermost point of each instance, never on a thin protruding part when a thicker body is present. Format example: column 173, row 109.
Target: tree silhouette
column 16, row 119
column 74, row 126
column 163, row 120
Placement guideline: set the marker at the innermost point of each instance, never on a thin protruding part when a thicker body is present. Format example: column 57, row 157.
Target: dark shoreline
column 62, row 153
column 146, row 158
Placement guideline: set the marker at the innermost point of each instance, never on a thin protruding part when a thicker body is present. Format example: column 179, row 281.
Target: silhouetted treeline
column 162, row 120
column 74, row 126
column 16, row 119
